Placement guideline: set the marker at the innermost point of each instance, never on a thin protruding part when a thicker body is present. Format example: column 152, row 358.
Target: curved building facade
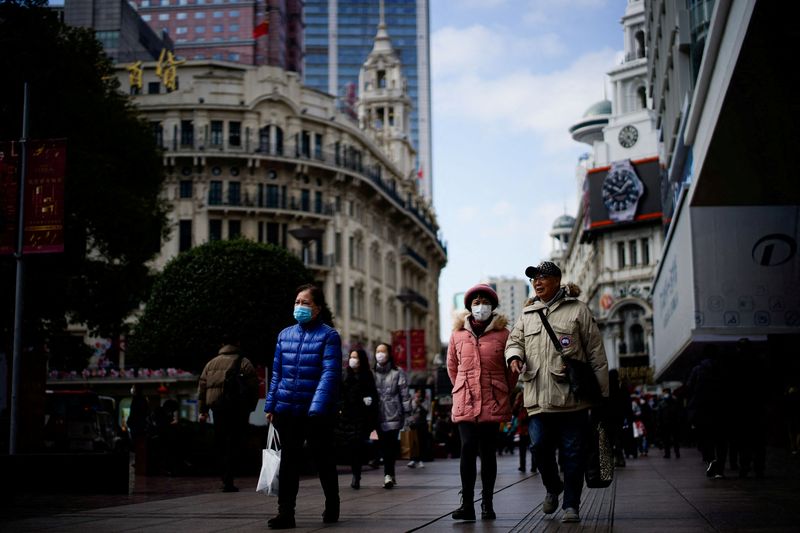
column 250, row 152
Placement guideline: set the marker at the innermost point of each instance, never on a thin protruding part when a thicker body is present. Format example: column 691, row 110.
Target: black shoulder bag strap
column 550, row 332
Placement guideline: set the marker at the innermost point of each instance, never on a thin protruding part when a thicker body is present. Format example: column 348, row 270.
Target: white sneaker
column 420, row 465
column 394, row 481
column 412, row 464
column 388, row 482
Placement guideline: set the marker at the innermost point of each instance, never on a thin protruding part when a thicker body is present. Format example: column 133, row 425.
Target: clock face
column 628, row 136
column 621, row 192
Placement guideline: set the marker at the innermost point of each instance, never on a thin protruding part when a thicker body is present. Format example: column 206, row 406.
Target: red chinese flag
column 261, row 29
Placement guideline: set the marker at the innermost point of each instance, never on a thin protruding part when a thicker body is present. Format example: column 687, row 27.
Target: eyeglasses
column 540, row 276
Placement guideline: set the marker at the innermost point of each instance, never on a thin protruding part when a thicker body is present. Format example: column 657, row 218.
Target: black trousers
column 478, row 439
column 229, row 431
column 390, row 449
column 293, row 432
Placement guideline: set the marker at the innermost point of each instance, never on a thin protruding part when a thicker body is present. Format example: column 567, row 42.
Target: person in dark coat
column 670, row 417
column 620, row 416
column 705, row 411
column 358, row 413
column 302, row 400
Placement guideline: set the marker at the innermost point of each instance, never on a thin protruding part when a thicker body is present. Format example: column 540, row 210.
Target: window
column 214, row 229
column 164, row 3
column 381, row 79
column 234, row 229
column 163, row 16
column 181, row 16
column 337, row 299
column 620, row 255
column 634, row 254
column 216, row 133
column 318, row 146
column 215, row 193
column 637, row 339
column 153, row 87
column 186, row 189
column 337, row 248
column 233, row 28
column 260, row 231
column 273, row 232
column 233, row 13
column 318, row 201
column 234, row 56
column 305, row 200
column 184, row 235
column 187, row 133
column 645, row 251
column 218, row 14
column 181, row 30
column 272, row 196
column 234, row 133
column 158, row 133
column 200, row 29
column 235, row 193
column 217, row 28
column 147, row 18
column 199, row 15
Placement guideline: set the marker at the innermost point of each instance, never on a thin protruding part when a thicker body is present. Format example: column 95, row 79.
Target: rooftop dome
column 564, row 221
column 603, row 107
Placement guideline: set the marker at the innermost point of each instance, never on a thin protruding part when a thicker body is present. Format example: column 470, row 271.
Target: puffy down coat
column 477, row 369
column 306, row 371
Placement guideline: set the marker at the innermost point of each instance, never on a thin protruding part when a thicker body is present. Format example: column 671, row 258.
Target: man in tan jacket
column 558, row 420
column 231, row 409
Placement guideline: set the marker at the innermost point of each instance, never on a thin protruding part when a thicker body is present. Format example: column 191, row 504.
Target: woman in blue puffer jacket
column 302, row 399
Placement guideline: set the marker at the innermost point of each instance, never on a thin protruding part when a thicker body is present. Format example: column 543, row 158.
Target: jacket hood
column 229, row 349
column 571, row 290
column 499, row 321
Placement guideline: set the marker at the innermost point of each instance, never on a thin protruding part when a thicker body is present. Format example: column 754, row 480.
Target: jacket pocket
column 558, row 388
column 499, row 388
column 568, row 339
column 460, row 396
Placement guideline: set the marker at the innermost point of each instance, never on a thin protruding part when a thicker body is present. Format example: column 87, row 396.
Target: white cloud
column 524, row 101
column 543, row 12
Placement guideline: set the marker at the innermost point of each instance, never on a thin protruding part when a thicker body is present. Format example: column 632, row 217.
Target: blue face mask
column 302, row 313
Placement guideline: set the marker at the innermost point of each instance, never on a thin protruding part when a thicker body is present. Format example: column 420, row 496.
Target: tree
column 237, row 289
column 114, row 217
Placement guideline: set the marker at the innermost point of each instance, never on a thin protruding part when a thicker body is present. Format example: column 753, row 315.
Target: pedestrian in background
column 706, row 411
column 230, row 415
column 558, row 420
column 302, row 400
column 521, row 414
column 481, row 387
column 358, row 413
column 419, row 425
column 670, row 421
column 394, row 406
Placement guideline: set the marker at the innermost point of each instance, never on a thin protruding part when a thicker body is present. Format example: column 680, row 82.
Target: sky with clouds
column 509, row 77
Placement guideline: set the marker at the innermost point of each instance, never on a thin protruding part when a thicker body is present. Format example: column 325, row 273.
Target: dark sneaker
column 570, row 515
column 487, row 511
column 230, row 488
column 331, row 514
column 282, row 521
column 712, row 468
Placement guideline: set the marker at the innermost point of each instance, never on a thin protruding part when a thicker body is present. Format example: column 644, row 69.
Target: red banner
column 8, row 197
column 44, row 197
column 418, row 359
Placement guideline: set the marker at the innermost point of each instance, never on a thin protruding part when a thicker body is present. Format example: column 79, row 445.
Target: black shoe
column 487, row 511
column 356, row 483
column 230, row 488
column 465, row 512
column 282, row 521
column 331, row 513
column 521, row 469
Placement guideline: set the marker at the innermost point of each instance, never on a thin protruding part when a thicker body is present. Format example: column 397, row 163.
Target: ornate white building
column 251, row 152
column 611, row 250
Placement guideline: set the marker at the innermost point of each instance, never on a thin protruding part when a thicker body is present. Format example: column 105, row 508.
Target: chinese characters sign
column 44, row 197
column 418, row 360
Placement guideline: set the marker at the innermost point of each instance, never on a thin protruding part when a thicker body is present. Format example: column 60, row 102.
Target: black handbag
column 582, row 381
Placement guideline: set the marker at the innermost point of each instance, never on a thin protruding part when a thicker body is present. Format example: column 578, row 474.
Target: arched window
column 639, row 44
column 637, row 338
column 377, row 308
column 391, row 270
column 375, row 261
column 641, row 92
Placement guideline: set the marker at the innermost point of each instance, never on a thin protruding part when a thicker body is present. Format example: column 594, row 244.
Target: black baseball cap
column 545, row 268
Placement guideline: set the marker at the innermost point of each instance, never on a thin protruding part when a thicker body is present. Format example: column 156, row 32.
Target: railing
column 288, row 204
column 407, row 250
column 342, row 160
column 410, row 296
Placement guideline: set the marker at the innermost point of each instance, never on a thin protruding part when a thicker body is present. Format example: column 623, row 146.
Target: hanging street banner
column 44, row 197
column 418, row 360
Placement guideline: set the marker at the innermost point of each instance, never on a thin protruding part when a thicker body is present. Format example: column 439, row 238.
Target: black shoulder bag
column 582, row 381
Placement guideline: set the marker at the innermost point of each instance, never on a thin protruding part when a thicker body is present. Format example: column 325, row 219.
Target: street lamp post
column 305, row 235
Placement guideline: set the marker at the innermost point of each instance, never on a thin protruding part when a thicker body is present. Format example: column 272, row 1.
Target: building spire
column 382, row 42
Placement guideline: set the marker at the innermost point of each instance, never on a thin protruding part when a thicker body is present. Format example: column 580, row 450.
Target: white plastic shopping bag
column 270, row 464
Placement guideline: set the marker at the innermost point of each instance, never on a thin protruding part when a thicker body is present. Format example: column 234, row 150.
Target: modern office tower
column 259, row 32
column 124, row 35
column 338, row 38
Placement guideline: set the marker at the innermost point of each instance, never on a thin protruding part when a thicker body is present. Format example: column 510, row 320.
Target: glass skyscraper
column 339, row 35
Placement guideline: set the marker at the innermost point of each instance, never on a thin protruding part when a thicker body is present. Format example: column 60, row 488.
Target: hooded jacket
column 481, row 380
column 209, row 387
column 545, row 389
column 306, row 371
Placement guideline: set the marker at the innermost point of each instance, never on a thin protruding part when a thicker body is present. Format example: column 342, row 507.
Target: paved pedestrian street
column 651, row 494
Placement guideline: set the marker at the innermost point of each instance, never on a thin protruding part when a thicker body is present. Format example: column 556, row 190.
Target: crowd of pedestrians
column 511, row 392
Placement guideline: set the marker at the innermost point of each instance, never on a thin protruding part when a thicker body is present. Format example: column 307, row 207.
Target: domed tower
column 562, row 228
column 589, row 128
column 384, row 107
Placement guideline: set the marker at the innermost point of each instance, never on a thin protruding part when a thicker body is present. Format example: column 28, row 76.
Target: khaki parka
column 545, row 389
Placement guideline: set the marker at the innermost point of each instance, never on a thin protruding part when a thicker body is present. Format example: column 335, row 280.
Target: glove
column 367, row 400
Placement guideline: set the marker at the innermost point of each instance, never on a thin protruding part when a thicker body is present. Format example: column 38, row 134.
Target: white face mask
column 481, row 312
column 381, row 357
column 353, row 363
